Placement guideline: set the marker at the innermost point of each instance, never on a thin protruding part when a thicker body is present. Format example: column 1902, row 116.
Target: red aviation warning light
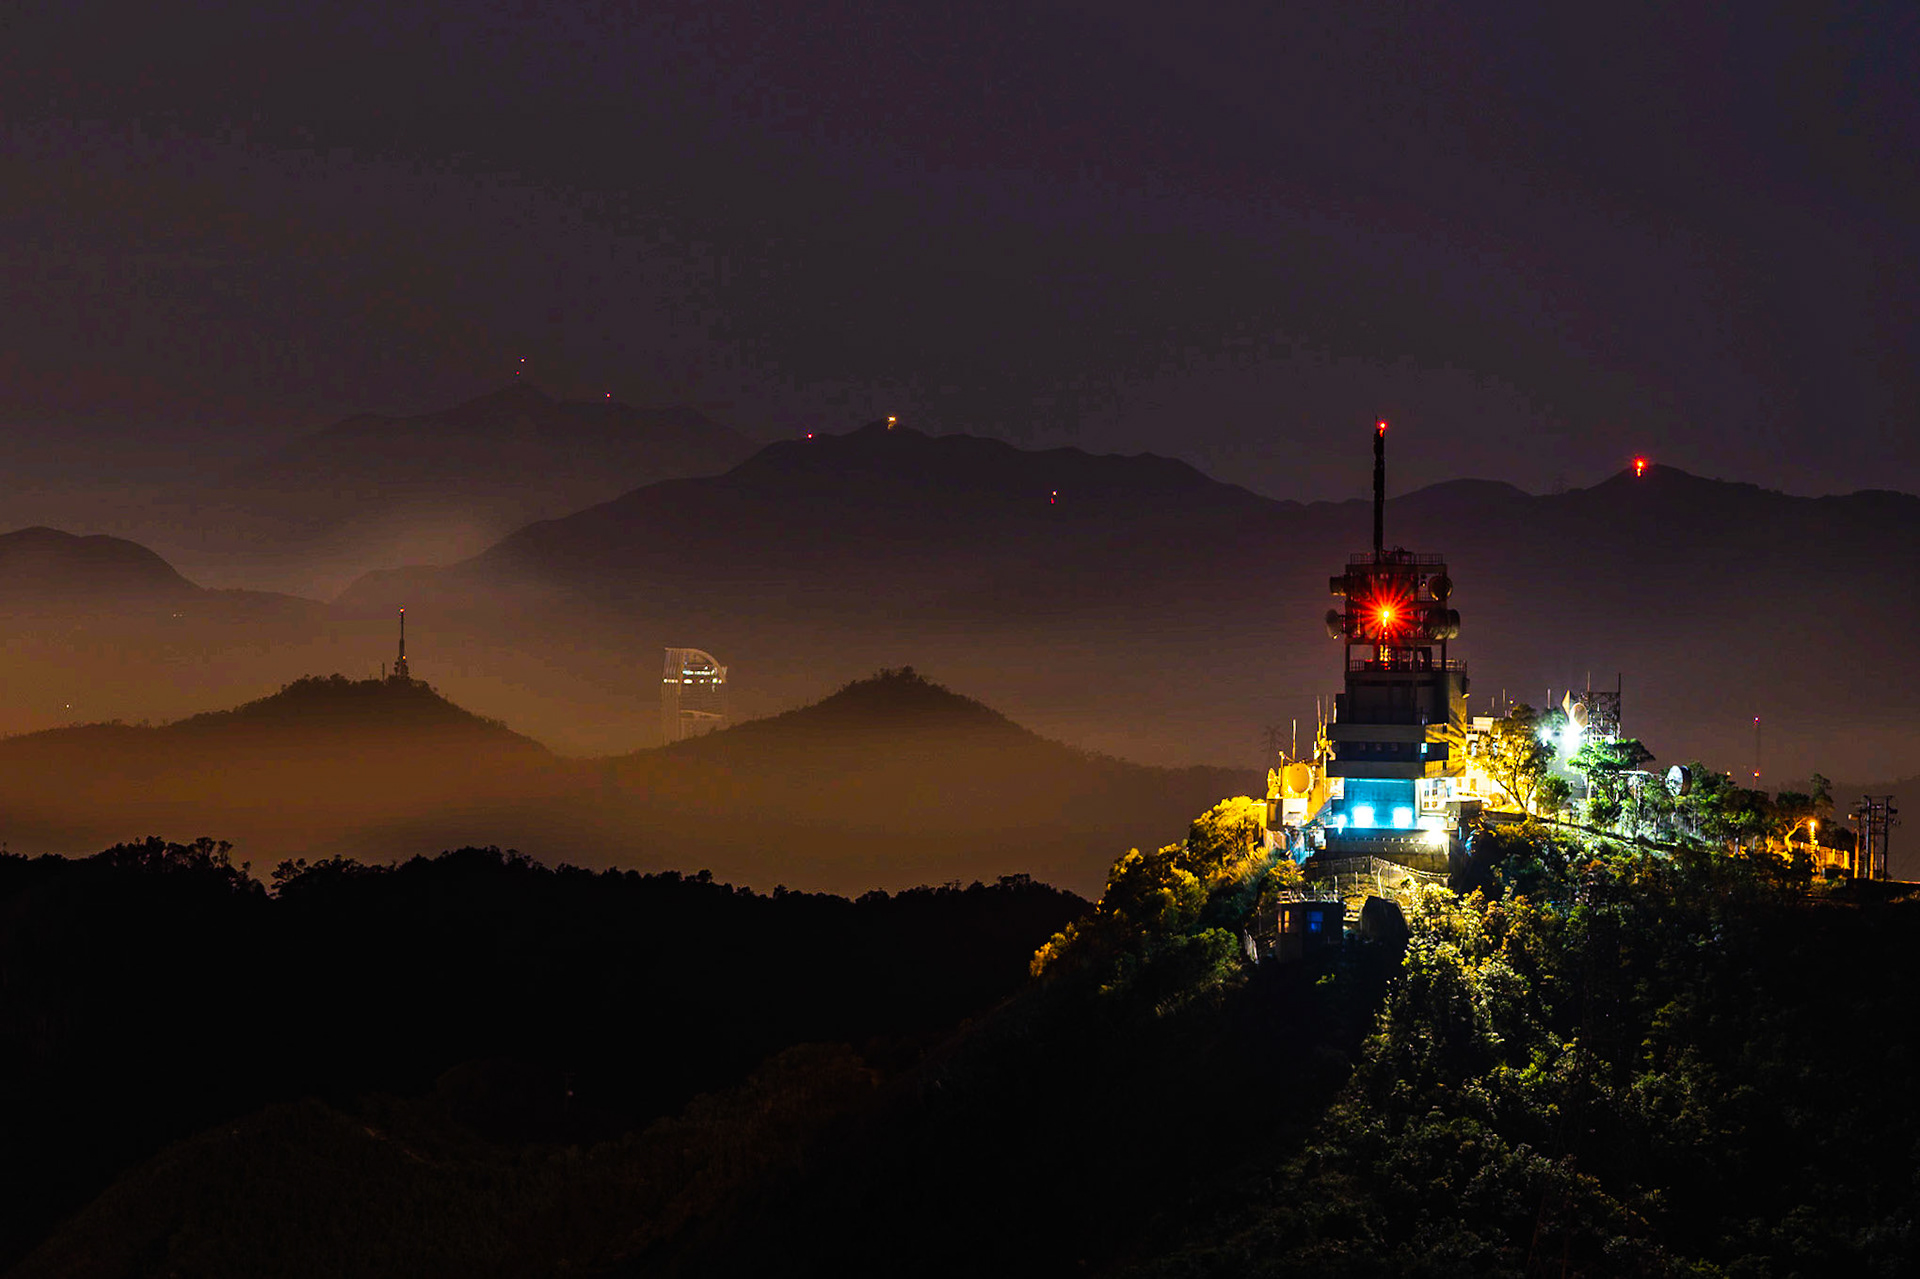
column 1380, row 427
column 1639, row 467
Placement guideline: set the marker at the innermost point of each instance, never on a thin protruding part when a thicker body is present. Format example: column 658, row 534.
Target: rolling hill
column 892, row 781
column 311, row 769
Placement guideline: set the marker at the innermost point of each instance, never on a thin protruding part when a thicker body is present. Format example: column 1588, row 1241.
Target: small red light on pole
column 1639, row 466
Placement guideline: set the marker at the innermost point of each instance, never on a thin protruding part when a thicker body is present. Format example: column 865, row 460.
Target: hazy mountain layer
column 1135, row 605
column 100, row 628
column 1130, row 605
column 375, row 490
column 890, row 782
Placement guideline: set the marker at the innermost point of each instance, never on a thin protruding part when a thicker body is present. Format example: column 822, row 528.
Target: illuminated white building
column 693, row 695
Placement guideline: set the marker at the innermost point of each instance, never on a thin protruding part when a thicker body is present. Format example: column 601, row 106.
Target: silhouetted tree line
column 157, row 988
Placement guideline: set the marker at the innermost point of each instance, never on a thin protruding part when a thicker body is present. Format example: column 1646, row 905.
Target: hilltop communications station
column 1385, row 780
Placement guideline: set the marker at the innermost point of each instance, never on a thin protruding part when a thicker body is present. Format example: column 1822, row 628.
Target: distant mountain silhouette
column 311, row 766
column 1126, row 604
column 894, row 772
column 1135, row 605
column 901, row 704
column 97, row 626
column 313, row 706
column 890, row 782
column 44, row 568
column 374, row 490
column 934, row 519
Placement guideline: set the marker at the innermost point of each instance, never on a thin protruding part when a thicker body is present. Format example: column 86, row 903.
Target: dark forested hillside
column 1610, row 1058
column 154, row 989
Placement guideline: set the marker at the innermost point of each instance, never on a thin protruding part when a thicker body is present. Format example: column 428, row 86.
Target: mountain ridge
column 1073, row 597
column 890, row 781
column 314, row 512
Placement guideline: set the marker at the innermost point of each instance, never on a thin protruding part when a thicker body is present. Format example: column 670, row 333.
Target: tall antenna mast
column 400, row 662
column 1379, row 490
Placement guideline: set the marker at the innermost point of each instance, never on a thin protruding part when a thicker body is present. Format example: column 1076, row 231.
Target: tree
column 1515, row 756
column 1605, row 765
column 1176, row 892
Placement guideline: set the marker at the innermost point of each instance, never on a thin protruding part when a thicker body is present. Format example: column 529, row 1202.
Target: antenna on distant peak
column 400, row 663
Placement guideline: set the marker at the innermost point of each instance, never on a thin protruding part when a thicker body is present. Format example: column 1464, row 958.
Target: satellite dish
column 1679, row 780
column 1296, row 778
column 1577, row 715
column 1336, row 622
column 1441, row 586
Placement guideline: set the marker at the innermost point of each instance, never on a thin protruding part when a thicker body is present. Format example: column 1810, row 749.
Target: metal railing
column 1405, row 664
column 1396, row 557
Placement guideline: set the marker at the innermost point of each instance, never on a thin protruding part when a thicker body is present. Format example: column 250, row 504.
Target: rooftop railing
column 1406, row 664
column 1396, row 557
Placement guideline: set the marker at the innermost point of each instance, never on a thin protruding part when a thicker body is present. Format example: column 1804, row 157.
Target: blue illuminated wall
column 1378, row 796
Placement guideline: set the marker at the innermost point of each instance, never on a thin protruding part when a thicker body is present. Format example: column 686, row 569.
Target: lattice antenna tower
column 1603, row 710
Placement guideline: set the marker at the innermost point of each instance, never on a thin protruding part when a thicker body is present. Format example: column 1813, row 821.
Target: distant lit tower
column 1395, row 735
column 400, row 673
column 693, row 694
column 1602, row 710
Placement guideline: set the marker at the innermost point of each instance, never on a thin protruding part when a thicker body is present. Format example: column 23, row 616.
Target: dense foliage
column 1192, row 899
column 1612, row 1057
column 1620, row 1060
column 1516, row 756
column 157, row 988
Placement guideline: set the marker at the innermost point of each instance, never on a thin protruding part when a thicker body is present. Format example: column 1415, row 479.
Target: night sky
column 1538, row 238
